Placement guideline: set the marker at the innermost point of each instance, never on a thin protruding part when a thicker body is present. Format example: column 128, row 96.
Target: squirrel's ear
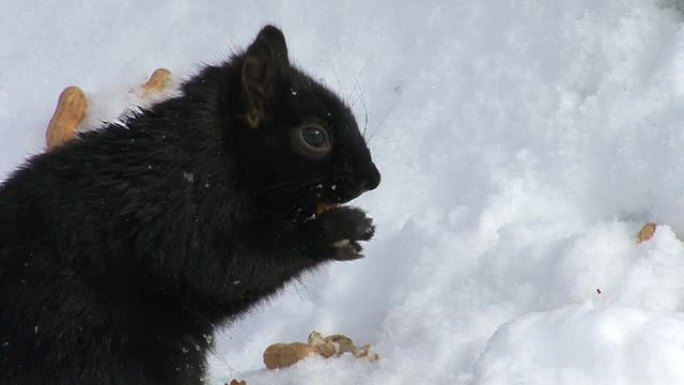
column 263, row 67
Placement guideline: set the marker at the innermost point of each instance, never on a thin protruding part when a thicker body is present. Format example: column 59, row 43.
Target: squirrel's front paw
column 341, row 230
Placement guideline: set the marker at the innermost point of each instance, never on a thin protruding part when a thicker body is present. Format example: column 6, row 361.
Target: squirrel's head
column 298, row 143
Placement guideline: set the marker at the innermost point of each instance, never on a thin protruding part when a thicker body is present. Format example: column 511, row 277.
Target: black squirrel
column 122, row 251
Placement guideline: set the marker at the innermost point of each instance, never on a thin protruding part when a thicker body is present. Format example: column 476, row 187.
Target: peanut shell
column 646, row 232
column 157, row 83
column 69, row 114
column 282, row 355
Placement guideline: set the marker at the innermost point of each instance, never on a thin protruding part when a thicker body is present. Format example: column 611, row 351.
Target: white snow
column 522, row 145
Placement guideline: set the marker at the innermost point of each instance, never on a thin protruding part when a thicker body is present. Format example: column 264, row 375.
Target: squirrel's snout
column 370, row 179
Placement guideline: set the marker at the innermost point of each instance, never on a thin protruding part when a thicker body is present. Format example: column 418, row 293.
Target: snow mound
column 585, row 344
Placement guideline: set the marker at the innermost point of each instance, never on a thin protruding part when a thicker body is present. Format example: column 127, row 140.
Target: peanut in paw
column 322, row 207
column 69, row 114
column 236, row 382
column 157, row 83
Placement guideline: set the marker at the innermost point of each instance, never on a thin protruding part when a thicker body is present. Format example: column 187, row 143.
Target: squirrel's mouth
column 322, row 207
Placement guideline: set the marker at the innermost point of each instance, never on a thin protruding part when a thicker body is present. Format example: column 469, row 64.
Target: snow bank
column 522, row 145
column 584, row 345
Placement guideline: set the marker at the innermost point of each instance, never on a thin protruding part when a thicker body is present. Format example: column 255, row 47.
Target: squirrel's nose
column 371, row 179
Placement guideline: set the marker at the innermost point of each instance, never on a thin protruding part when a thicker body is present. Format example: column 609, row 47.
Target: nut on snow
column 70, row 111
column 157, row 83
column 338, row 344
column 646, row 232
column 282, row 355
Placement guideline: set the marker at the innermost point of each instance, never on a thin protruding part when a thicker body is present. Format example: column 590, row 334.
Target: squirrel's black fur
column 122, row 250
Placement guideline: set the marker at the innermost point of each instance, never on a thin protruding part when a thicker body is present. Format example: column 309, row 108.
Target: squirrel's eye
column 314, row 136
column 315, row 139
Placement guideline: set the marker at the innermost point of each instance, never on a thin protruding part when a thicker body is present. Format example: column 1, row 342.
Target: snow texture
column 522, row 146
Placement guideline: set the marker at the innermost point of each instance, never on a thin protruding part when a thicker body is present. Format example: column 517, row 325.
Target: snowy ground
column 522, row 145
